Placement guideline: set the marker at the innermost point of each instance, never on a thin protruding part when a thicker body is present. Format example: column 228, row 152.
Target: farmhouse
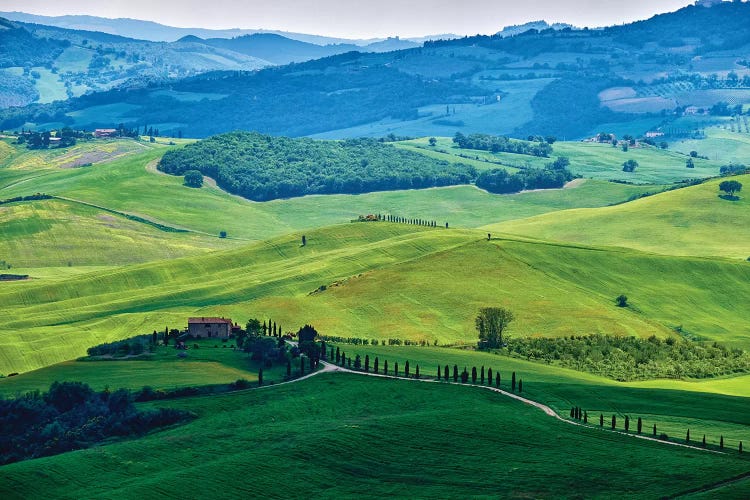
column 105, row 132
column 209, row 327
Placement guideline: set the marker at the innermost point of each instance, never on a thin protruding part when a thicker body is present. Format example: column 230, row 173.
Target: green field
column 690, row 221
column 342, row 435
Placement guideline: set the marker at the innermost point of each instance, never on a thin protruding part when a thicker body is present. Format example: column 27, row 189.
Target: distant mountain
column 565, row 82
column 155, row 32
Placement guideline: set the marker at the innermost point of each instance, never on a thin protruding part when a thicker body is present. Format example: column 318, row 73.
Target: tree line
column 503, row 144
column 261, row 167
column 632, row 358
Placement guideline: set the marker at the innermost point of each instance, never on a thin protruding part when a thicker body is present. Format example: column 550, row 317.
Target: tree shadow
column 729, row 197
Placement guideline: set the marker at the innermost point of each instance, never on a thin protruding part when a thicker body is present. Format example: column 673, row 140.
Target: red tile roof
column 209, row 320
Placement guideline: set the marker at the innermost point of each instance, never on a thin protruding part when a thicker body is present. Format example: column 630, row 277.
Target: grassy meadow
column 346, row 435
column 690, row 221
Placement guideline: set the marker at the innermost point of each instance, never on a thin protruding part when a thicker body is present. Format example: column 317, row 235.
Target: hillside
column 690, row 221
column 562, row 82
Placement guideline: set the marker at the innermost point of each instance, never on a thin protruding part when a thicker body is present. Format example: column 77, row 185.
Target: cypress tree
column 343, row 359
column 721, row 442
column 601, row 420
column 265, row 328
column 572, row 412
column 464, row 376
column 520, row 387
column 585, row 417
column 614, row 422
column 446, row 371
column 323, row 350
column 331, row 357
column 687, row 436
column 513, row 382
column 455, row 373
column 395, row 368
column 349, row 362
column 439, row 373
column 375, row 365
column 704, row 440
column 497, row 379
column 740, row 447
column 473, row 374
column 481, row 378
column 260, row 376
column 627, row 423
column 367, row 363
column 385, row 367
column 406, row 369
column 654, row 430
column 416, row 372
column 338, row 355
column 301, row 366
column 640, row 425
column 274, row 328
column 489, row 376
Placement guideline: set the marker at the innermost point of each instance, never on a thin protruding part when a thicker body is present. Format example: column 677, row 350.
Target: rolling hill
column 691, row 221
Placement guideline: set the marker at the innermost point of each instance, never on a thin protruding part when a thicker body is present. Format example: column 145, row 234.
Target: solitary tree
column 491, row 323
column 730, row 187
column 432, row 141
column 304, row 240
column 621, row 300
column 629, row 166
column 193, row 178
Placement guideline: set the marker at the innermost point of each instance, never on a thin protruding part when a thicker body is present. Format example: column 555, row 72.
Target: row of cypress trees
column 577, row 414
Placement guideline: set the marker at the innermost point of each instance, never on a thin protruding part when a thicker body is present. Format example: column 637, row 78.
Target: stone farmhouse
column 209, row 327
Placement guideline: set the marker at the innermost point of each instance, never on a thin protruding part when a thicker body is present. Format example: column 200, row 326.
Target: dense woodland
column 18, row 47
column 261, row 167
column 631, row 358
column 72, row 416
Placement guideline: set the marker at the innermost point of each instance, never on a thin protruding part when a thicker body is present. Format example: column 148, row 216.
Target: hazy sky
column 358, row 18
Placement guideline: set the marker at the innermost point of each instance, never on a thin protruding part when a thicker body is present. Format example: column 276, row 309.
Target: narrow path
column 546, row 409
column 713, row 486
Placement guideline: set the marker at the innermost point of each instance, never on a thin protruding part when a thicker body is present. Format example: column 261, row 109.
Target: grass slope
column 341, row 435
column 436, row 280
column 691, row 221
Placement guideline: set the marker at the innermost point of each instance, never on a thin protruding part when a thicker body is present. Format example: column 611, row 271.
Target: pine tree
column 473, row 374
column 489, row 376
column 367, row 363
column 513, row 382
column 640, row 425
column 375, row 365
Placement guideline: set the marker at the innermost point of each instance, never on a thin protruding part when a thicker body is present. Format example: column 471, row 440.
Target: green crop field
column 690, row 221
column 673, row 410
column 344, row 435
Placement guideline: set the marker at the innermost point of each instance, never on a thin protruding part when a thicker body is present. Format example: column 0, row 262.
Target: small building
column 209, row 327
column 105, row 132
column 654, row 134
